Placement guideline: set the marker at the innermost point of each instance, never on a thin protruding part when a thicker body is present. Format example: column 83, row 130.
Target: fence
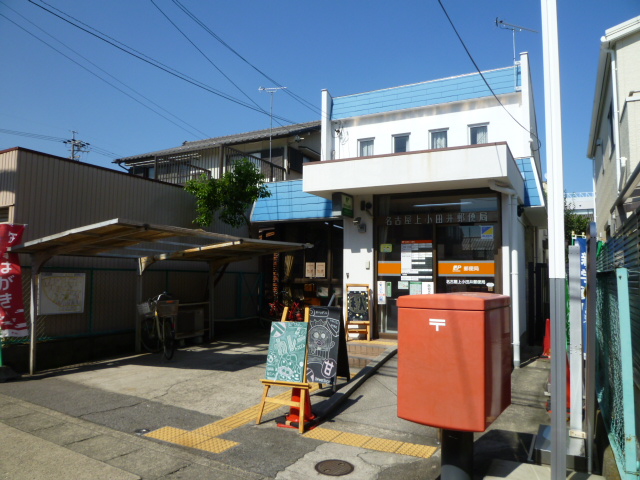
column 618, row 343
column 110, row 300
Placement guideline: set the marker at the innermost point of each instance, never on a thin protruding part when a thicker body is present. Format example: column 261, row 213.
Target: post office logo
column 437, row 322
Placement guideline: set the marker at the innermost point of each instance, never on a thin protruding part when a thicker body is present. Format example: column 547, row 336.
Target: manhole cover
column 335, row 468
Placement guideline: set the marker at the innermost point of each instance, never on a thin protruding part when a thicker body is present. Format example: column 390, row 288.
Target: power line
column 206, row 57
column 202, row 134
column 37, row 136
column 485, row 80
column 299, row 99
column 157, row 64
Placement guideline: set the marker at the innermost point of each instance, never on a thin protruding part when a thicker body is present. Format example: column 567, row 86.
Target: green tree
column 230, row 196
column 574, row 222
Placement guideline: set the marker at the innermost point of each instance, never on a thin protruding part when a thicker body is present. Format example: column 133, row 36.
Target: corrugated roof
column 432, row 92
column 256, row 135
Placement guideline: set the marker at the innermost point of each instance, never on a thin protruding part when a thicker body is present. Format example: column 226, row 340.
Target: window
column 610, row 117
column 365, row 147
column 400, row 143
column 438, row 139
column 478, row 135
column 5, row 214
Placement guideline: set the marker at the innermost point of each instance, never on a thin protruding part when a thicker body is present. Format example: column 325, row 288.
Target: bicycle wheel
column 149, row 335
column 168, row 338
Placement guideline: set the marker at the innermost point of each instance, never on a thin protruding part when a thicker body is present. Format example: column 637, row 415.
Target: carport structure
column 145, row 244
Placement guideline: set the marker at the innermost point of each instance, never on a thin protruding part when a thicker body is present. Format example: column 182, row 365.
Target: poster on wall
column 382, row 292
column 416, row 259
column 60, row 293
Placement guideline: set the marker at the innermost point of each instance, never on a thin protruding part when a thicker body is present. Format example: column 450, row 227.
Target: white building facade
column 445, row 183
column 614, row 138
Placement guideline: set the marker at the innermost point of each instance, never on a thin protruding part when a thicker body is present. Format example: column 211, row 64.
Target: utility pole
column 76, row 146
column 271, row 91
column 553, row 124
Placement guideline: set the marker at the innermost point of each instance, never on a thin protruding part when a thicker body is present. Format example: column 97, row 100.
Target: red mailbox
column 454, row 359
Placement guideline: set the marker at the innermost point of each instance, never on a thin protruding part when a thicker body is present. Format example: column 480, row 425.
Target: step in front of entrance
column 361, row 354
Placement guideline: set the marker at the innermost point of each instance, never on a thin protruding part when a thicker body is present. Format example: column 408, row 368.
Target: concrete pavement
column 98, row 421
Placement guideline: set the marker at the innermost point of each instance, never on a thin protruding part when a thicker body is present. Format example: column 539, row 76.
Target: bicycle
column 158, row 330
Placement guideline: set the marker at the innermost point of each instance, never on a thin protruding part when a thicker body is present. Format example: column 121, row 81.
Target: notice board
column 287, row 351
column 327, row 347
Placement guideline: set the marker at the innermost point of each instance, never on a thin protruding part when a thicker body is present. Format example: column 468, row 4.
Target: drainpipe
column 615, row 119
column 512, row 200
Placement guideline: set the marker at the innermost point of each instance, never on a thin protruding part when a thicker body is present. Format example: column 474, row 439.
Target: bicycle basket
column 167, row 307
column 145, row 309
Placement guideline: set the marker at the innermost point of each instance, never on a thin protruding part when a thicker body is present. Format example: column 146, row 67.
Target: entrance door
column 434, row 244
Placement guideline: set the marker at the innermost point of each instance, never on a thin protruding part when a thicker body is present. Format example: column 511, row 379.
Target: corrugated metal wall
column 110, row 299
column 8, row 163
column 53, row 195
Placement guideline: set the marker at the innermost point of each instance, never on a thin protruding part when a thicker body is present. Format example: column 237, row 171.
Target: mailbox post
column 454, row 368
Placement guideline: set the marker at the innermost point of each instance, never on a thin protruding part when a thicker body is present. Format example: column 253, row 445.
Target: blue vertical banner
column 582, row 242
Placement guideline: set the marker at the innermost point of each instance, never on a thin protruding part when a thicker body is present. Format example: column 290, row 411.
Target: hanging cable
column 485, row 80
column 207, row 58
column 158, row 65
column 37, row 136
column 194, row 129
column 299, row 99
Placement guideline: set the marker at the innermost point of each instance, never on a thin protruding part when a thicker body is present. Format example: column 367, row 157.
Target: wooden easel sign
column 359, row 309
column 287, row 352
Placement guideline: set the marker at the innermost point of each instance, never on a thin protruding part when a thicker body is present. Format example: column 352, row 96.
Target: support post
column 590, row 368
column 138, row 339
column 553, row 128
column 37, row 261
column 457, row 455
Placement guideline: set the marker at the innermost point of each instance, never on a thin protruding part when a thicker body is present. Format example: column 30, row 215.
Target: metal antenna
column 513, row 28
column 271, row 90
column 76, row 146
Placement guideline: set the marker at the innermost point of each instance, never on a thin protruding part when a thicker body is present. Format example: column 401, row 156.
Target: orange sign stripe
column 389, row 268
column 466, row 268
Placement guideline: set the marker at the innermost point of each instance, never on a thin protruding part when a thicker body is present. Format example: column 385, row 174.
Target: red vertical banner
column 12, row 319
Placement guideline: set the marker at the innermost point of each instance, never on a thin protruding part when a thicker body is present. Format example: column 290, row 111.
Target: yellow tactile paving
column 167, row 434
column 383, row 445
column 353, row 439
column 191, row 439
column 216, row 445
column 204, row 438
column 415, row 450
column 213, row 430
column 323, row 434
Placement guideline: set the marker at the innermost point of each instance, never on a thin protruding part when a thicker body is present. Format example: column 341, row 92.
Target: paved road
column 98, row 421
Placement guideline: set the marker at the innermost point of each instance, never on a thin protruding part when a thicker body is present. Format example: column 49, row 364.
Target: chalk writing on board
column 324, row 336
column 287, row 351
column 358, row 305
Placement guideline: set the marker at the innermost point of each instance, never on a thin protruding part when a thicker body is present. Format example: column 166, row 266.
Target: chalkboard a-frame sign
column 327, row 348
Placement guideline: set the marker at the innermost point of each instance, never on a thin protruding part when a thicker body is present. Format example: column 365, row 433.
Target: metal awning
column 147, row 244
column 150, row 243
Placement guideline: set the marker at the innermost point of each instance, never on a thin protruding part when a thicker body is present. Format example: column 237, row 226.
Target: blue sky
column 344, row 46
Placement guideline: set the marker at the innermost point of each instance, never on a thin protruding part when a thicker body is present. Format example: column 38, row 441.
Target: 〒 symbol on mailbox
column 438, row 322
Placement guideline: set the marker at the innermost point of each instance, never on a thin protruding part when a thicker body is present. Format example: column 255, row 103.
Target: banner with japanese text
column 12, row 319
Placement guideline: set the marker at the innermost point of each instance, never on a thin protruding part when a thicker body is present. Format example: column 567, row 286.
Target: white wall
column 455, row 117
column 358, row 259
